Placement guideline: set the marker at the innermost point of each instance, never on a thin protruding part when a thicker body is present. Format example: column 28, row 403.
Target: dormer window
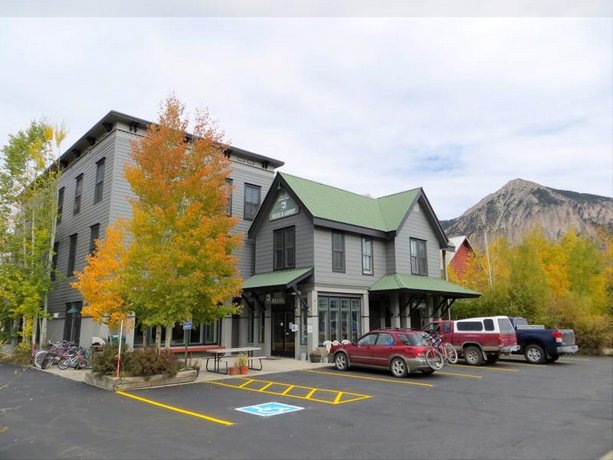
column 419, row 257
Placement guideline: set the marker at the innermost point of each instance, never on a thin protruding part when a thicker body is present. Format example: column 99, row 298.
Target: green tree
column 28, row 209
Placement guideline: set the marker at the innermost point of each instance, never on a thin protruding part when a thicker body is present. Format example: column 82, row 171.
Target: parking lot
column 509, row 410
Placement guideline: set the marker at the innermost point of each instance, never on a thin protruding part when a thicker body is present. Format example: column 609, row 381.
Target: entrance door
column 282, row 336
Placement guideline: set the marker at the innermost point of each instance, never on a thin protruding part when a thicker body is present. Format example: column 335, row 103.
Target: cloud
column 374, row 105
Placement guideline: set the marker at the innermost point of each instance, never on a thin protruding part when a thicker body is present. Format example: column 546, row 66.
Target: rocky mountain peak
column 520, row 205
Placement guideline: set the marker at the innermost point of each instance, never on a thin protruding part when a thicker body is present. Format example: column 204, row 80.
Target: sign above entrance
column 284, row 206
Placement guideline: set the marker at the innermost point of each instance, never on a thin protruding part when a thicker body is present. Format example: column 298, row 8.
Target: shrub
column 145, row 362
column 105, row 360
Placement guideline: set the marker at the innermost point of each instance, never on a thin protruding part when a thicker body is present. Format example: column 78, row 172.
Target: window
column 94, row 234
column 367, row 267
column 284, row 247
column 338, row 252
column 339, row 318
column 385, row 339
column 368, row 339
column 469, row 326
column 56, row 249
column 77, row 195
column 60, row 204
column 99, row 181
column 505, row 325
column 72, row 321
column 489, row 324
column 252, row 201
column 72, row 255
column 229, row 194
column 262, row 323
column 251, row 325
column 419, row 260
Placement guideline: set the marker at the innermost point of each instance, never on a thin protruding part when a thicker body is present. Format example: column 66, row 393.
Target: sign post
column 187, row 332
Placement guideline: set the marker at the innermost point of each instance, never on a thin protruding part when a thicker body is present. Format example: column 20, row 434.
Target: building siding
column 417, row 226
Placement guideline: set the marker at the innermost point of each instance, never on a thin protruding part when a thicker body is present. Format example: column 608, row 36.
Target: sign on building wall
column 284, row 206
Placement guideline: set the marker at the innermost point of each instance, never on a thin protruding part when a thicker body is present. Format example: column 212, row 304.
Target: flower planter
column 233, row 370
column 244, row 370
column 107, row 382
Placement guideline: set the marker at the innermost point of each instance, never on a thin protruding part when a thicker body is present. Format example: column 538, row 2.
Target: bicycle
column 55, row 352
column 79, row 359
column 448, row 351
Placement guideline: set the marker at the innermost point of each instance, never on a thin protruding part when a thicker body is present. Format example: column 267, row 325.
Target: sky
column 456, row 105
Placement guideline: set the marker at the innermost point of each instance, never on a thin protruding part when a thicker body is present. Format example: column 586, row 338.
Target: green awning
column 422, row 285
column 284, row 278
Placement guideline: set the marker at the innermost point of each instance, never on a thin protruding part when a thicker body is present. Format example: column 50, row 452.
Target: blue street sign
column 269, row 409
column 187, row 325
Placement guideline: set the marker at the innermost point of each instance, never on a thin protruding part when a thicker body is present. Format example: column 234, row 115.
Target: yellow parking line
column 470, row 376
column 244, row 384
column 338, row 394
column 400, row 382
column 175, row 409
column 572, row 358
column 517, row 363
column 483, row 368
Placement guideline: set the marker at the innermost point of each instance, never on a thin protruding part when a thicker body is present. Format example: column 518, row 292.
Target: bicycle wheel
column 450, row 353
column 63, row 364
column 435, row 359
column 48, row 361
column 39, row 357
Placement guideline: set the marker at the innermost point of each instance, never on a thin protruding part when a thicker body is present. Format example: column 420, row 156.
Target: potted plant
column 233, row 370
column 243, row 363
column 315, row 356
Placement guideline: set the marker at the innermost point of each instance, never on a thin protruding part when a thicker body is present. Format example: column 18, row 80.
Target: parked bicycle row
column 64, row 354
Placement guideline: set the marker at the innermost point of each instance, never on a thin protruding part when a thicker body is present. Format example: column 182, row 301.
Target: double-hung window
column 77, row 195
column 367, row 266
column 252, row 201
column 72, row 254
column 60, row 204
column 94, row 234
column 99, row 181
column 229, row 188
column 338, row 252
column 56, row 249
column 284, row 246
column 419, row 257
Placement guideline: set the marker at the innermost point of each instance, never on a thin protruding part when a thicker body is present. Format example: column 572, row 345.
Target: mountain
column 520, row 206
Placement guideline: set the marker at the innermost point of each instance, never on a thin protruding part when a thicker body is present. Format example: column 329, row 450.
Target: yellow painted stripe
column 470, row 376
column 310, row 393
column 572, row 358
column 397, row 381
column 266, row 386
column 338, row 397
column 483, row 368
column 175, row 409
column 289, row 388
column 246, row 383
column 357, row 396
column 517, row 363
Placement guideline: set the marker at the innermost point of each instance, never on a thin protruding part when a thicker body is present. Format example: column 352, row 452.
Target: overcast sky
column 458, row 106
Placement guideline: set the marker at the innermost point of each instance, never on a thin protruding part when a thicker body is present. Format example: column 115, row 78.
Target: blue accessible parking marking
column 269, row 409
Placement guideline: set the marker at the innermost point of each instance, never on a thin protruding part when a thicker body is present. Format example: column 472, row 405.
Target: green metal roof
column 425, row 284
column 277, row 278
column 331, row 203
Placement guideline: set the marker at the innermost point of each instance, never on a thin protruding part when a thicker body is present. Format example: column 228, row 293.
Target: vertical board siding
column 264, row 239
column 417, row 226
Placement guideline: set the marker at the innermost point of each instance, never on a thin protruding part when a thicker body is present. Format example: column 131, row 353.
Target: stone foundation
column 107, row 382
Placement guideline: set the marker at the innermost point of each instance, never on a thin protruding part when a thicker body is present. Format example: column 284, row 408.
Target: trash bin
column 113, row 339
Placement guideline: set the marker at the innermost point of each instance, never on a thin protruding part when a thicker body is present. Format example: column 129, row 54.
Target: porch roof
column 421, row 284
column 284, row 278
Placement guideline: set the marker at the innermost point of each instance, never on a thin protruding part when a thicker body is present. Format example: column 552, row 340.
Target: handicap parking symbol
column 269, row 409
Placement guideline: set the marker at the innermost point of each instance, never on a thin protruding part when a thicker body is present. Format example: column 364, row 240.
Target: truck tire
column 534, row 354
column 473, row 355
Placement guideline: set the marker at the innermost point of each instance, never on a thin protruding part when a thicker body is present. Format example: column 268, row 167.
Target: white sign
column 269, row 409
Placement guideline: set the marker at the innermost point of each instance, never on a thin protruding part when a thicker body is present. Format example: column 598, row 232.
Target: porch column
column 395, row 305
column 365, row 326
column 312, row 323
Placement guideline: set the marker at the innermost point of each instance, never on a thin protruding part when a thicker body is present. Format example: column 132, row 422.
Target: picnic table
column 221, row 354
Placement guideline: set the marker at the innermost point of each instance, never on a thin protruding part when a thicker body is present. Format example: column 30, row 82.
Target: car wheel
column 534, row 354
column 473, row 356
column 553, row 359
column 399, row 367
column 341, row 361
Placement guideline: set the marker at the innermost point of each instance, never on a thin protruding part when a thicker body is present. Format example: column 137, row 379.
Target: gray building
column 331, row 265
column 319, row 263
column 94, row 192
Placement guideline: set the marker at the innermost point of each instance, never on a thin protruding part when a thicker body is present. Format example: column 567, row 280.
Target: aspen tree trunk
column 168, row 336
column 158, row 337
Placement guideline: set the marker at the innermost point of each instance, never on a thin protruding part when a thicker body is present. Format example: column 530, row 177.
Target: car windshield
column 412, row 339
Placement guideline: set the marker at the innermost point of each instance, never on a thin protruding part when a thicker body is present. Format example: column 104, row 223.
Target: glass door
column 283, row 338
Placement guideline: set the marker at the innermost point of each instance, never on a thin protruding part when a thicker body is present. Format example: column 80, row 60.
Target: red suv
column 400, row 350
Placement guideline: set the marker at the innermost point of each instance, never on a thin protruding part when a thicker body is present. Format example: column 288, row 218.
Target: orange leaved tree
column 179, row 263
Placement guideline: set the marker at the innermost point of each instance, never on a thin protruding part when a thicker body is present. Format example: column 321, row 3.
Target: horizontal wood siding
column 417, row 226
column 90, row 214
column 264, row 239
column 352, row 277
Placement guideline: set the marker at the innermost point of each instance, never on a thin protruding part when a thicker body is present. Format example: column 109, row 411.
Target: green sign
column 284, row 206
